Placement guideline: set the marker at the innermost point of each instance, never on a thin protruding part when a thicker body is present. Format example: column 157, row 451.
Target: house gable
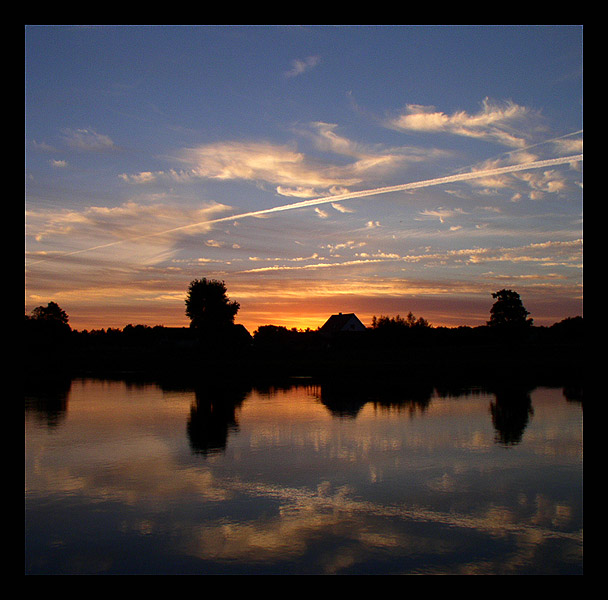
column 342, row 322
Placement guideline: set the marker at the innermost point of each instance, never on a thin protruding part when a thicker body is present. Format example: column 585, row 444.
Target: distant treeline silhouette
column 509, row 340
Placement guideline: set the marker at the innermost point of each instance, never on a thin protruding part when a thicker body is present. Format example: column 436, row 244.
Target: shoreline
column 554, row 364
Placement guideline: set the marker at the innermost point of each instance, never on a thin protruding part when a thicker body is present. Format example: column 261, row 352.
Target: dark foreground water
column 305, row 479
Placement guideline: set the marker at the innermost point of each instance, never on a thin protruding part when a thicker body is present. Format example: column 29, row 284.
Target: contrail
column 405, row 186
column 539, row 164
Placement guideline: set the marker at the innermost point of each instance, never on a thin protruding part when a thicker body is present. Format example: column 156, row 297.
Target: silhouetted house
column 341, row 323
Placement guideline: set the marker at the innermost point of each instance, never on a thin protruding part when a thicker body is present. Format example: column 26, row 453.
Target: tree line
column 212, row 313
column 213, row 334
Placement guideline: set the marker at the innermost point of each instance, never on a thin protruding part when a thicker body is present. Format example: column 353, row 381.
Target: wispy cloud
column 411, row 186
column 340, row 208
column 552, row 253
column 350, row 195
column 442, row 213
column 493, row 122
column 88, row 139
column 43, row 146
column 371, row 159
column 302, row 65
column 292, row 172
column 129, row 222
column 279, row 165
column 536, row 184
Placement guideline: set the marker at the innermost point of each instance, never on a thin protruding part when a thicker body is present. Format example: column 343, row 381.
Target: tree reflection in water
column 213, row 412
column 319, row 476
column 511, row 411
column 213, row 415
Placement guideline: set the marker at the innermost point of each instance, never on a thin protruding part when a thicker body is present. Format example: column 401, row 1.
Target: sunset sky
column 154, row 155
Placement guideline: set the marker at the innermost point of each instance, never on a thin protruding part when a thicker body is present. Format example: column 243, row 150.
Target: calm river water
column 302, row 479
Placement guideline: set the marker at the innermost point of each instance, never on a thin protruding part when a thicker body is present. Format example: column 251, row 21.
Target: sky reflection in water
column 306, row 479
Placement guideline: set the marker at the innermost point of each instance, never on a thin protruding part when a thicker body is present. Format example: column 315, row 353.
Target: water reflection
column 303, row 478
column 347, row 398
column 213, row 415
column 47, row 399
column 511, row 410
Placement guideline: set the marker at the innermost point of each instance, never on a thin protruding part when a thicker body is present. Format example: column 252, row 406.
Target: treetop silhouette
column 508, row 311
column 208, row 306
column 51, row 313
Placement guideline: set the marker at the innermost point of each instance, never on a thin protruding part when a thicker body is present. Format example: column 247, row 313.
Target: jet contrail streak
column 405, row 186
column 539, row 164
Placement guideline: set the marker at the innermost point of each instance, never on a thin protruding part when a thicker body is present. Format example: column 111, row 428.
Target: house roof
column 340, row 321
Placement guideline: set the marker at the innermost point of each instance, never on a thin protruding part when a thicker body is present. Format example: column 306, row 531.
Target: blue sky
column 142, row 141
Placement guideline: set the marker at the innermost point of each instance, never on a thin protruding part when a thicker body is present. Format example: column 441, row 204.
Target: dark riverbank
column 546, row 355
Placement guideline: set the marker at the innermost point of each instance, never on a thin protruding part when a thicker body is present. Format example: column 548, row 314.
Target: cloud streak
column 348, row 196
column 546, row 253
column 490, row 123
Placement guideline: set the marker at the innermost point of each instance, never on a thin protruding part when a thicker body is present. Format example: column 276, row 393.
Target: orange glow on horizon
column 300, row 319
column 301, row 307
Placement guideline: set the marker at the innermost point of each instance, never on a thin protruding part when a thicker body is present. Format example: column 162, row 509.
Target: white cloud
column 272, row 163
column 301, row 65
column 143, row 177
column 536, row 184
column 293, row 173
column 326, row 138
column 340, row 208
column 548, row 254
column 547, row 181
column 492, row 122
column 442, row 213
column 368, row 158
column 152, row 176
column 88, row 139
column 297, row 192
column 128, row 222
column 569, row 146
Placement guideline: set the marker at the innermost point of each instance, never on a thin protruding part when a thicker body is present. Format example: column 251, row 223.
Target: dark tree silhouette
column 51, row 313
column 208, row 307
column 47, row 325
column 508, row 311
column 398, row 322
